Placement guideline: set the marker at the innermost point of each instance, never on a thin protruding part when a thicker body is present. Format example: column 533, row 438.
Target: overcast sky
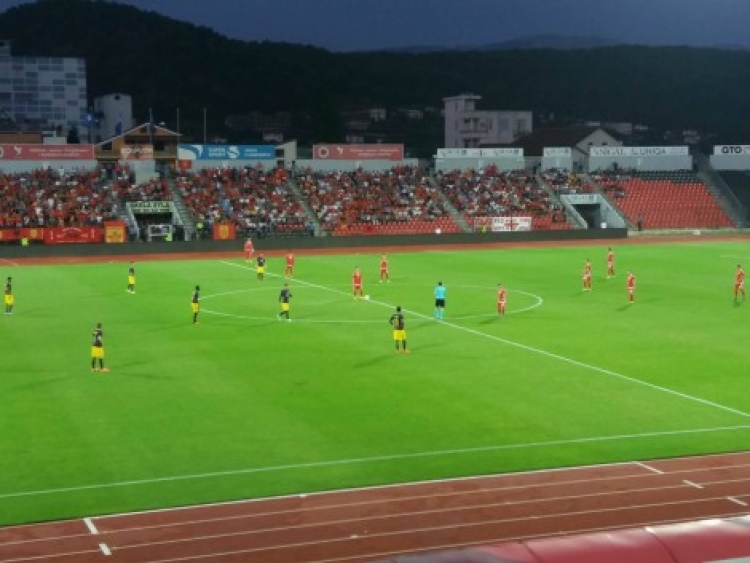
column 346, row 25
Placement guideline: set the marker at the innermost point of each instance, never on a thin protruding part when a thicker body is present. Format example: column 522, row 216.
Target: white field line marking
column 649, row 468
column 696, row 485
column 409, row 531
column 372, row 459
column 90, row 525
column 541, row 352
column 105, row 549
column 737, row 501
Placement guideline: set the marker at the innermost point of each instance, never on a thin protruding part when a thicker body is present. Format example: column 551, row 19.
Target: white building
column 465, row 126
column 40, row 93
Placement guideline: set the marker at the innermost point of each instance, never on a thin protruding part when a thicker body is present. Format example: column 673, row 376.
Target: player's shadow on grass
column 39, row 383
column 129, row 369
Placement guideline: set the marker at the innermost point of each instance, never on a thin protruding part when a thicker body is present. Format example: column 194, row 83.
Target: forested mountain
column 166, row 64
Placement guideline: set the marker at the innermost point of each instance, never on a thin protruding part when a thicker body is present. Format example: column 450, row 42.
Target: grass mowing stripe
column 534, row 350
column 373, row 459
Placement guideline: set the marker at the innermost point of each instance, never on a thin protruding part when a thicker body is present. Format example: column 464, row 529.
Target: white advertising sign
column 479, row 153
column 731, row 149
column 556, row 151
column 639, row 151
column 505, row 224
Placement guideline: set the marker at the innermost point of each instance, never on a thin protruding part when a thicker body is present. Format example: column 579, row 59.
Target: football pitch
column 246, row 405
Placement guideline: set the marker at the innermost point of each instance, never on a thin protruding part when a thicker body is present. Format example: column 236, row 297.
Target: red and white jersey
column 631, row 282
column 290, row 259
column 384, row 264
column 587, row 270
column 249, row 246
column 610, row 258
column 357, row 278
column 739, row 279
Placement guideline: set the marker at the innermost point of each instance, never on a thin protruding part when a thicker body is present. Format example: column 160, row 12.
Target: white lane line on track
column 565, row 516
column 91, row 526
column 534, row 350
column 737, row 501
column 696, row 485
column 648, row 467
column 105, row 549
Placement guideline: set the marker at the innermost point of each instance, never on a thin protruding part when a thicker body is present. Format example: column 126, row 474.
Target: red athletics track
column 376, row 523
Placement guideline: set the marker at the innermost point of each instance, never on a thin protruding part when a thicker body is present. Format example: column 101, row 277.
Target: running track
column 376, row 523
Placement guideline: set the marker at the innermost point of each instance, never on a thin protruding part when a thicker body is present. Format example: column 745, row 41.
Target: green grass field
column 244, row 405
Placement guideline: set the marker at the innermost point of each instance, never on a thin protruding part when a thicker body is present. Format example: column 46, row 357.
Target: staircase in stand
column 182, row 210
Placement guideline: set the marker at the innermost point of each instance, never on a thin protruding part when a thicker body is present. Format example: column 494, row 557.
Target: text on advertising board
column 46, row 152
column 732, row 149
column 639, row 151
column 359, row 152
column 143, row 207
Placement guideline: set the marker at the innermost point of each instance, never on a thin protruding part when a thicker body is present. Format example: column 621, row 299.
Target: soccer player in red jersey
column 610, row 263
column 249, row 249
column 631, row 287
column 357, row 284
column 289, row 270
column 384, row 273
column 739, row 283
column 502, row 296
column 587, row 275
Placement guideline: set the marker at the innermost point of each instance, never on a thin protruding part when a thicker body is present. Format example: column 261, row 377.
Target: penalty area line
column 541, row 352
column 372, row 459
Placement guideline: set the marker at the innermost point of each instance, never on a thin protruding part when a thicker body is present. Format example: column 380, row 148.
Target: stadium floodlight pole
column 205, row 111
column 151, row 127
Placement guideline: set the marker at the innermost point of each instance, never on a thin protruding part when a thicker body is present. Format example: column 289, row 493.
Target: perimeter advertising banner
column 226, row 152
column 18, row 234
column 114, row 232
column 505, row 224
column 358, row 152
column 46, row 152
column 78, row 235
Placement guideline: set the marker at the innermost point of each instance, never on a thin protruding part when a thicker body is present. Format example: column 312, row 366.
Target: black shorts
column 440, row 303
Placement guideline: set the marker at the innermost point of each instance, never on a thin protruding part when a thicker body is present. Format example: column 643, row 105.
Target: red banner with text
column 358, row 152
column 46, row 152
column 68, row 235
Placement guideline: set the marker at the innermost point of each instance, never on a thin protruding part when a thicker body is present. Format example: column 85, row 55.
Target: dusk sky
column 347, row 25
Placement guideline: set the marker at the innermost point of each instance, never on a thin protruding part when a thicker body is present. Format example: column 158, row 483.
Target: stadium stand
column 255, row 201
column 663, row 200
column 397, row 201
column 492, row 193
column 44, row 198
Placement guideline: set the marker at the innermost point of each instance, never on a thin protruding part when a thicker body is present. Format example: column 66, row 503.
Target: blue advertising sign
column 226, row 152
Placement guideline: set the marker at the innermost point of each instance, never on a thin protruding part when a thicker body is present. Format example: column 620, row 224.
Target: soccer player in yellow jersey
column 399, row 330
column 195, row 303
column 131, row 279
column 284, row 298
column 97, row 350
column 8, row 297
column 260, row 267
